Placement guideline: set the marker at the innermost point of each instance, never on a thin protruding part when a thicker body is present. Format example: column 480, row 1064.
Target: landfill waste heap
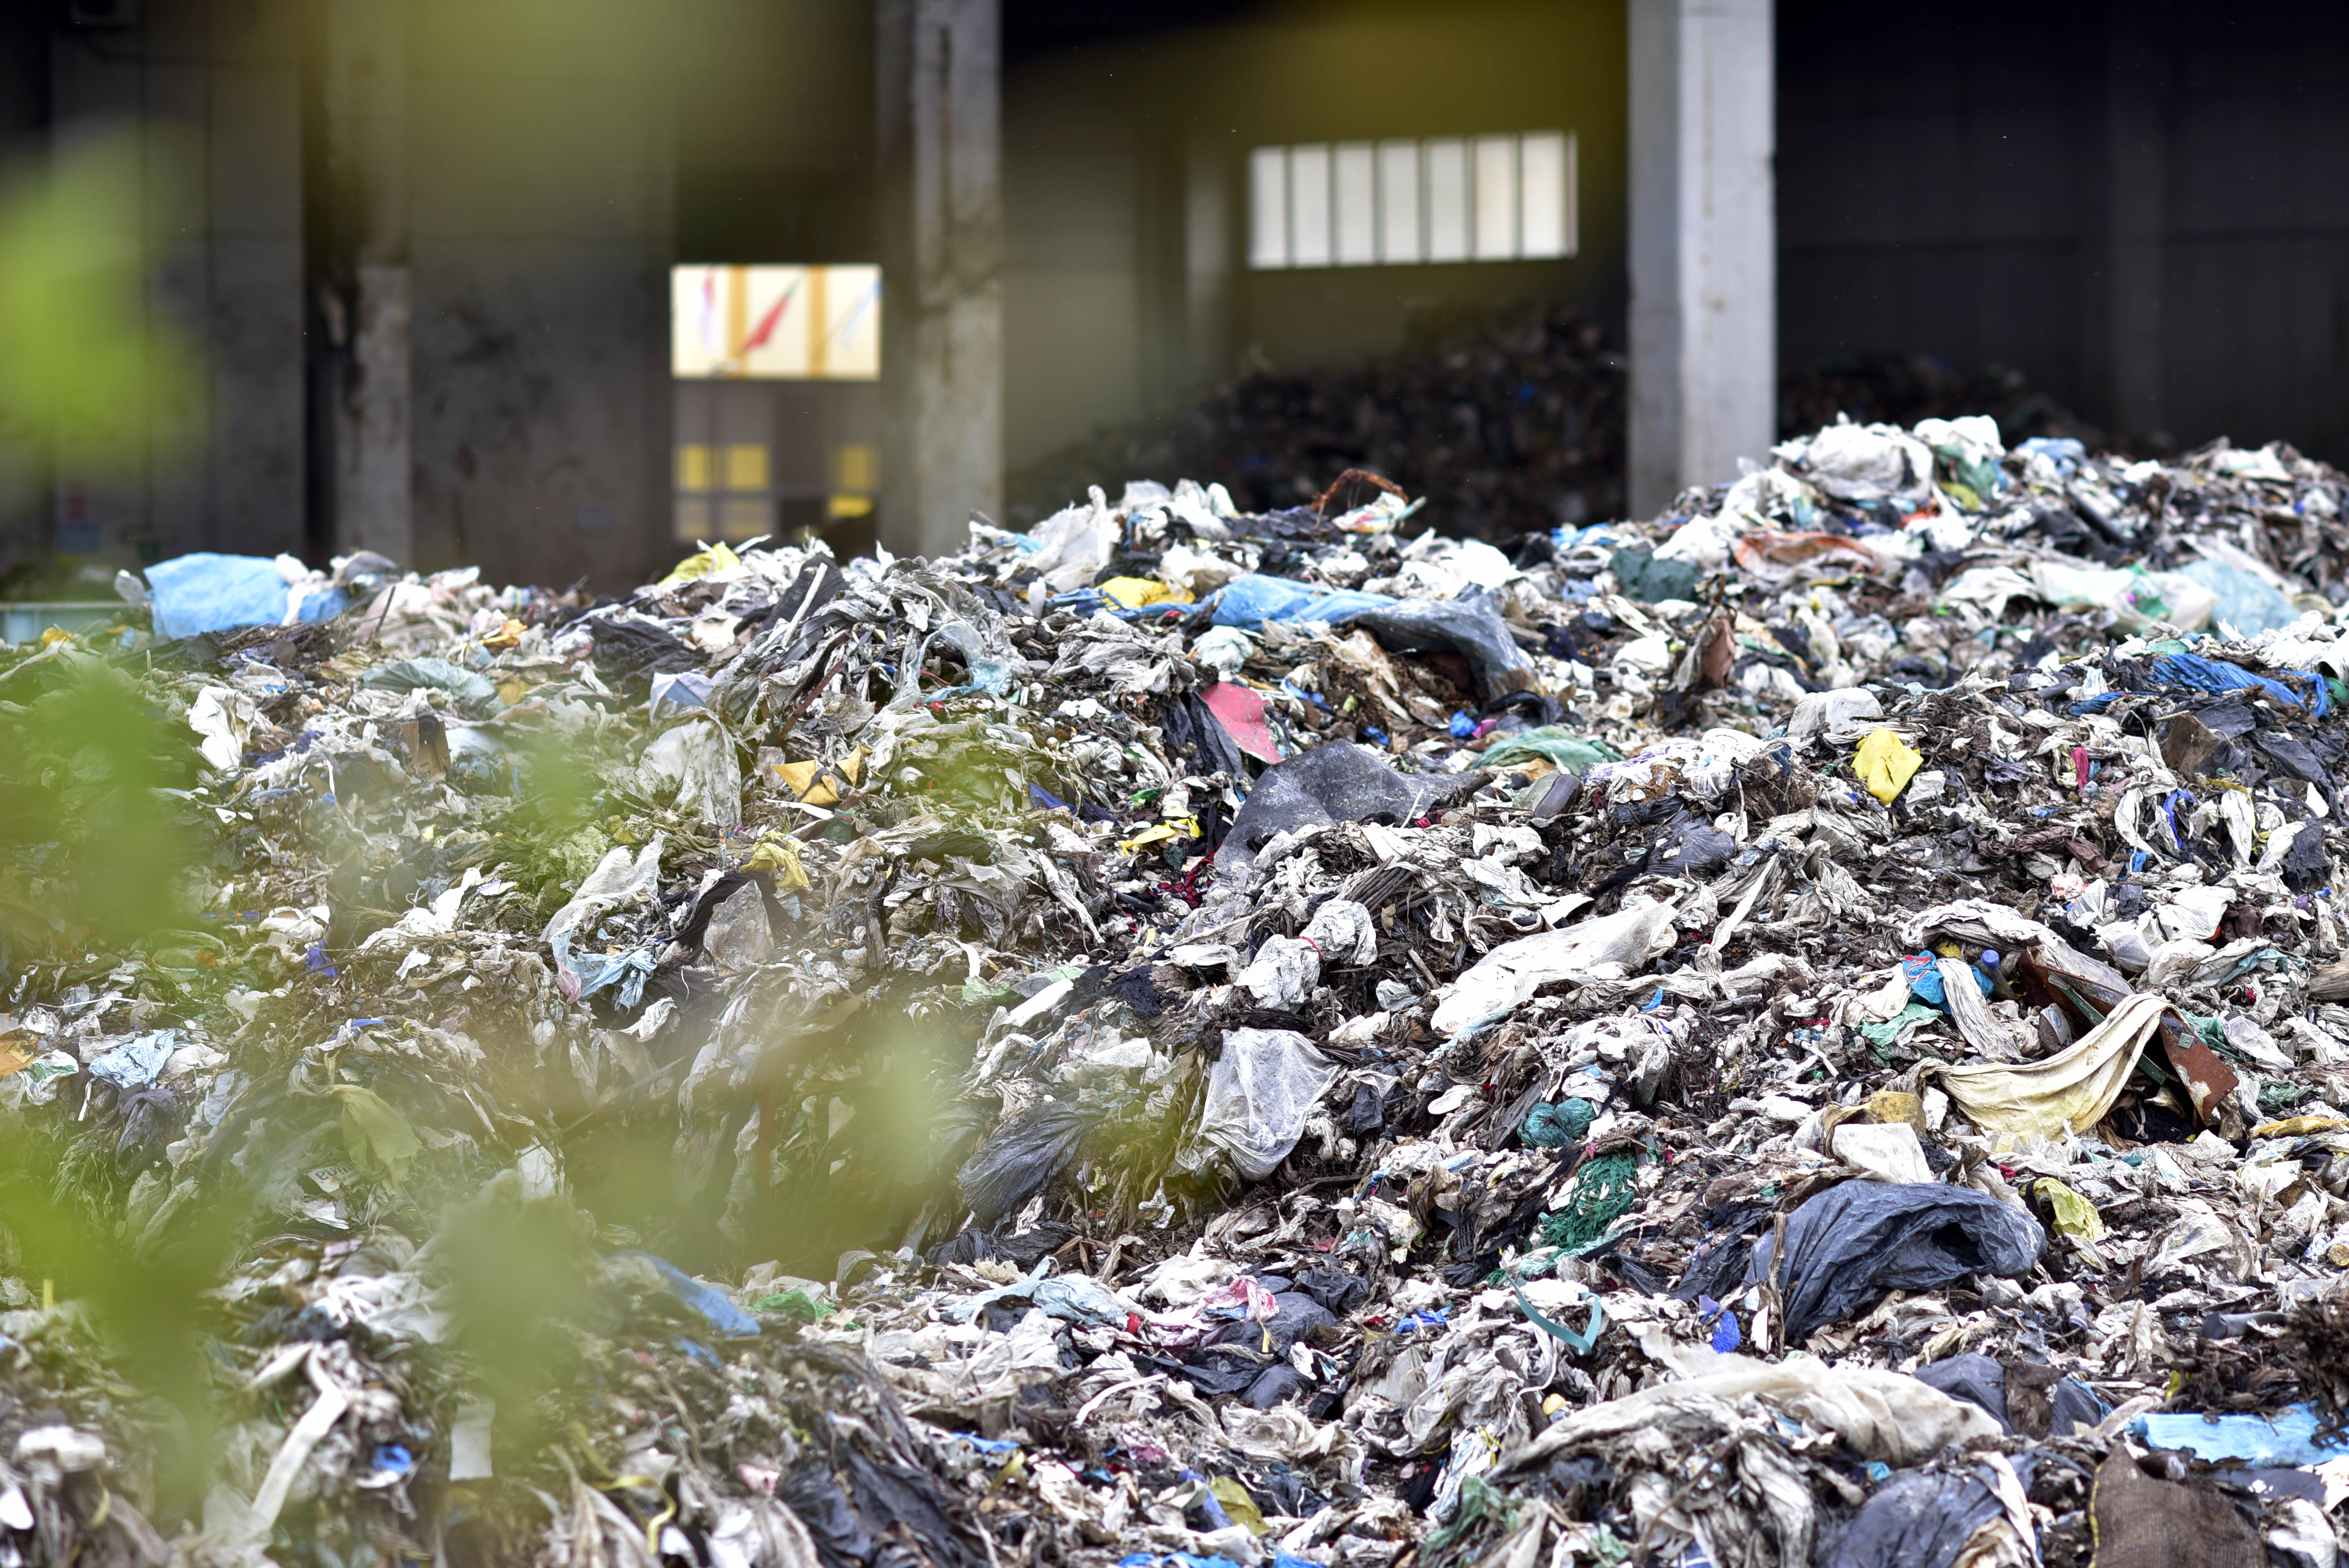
column 1811, row 1029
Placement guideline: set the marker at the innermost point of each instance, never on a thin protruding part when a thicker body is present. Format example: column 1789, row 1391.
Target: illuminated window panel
column 1269, row 207
column 1354, row 203
column 1308, row 206
column 746, row 466
column 1400, row 239
column 1545, row 176
column 1448, row 199
column 1496, row 198
column 776, row 323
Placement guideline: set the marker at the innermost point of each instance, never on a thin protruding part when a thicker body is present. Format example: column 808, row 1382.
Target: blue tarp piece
column 1190, row 1560
column 2065, row 453
column 2287, row 1438
column 628, row 971
column 193, row 595
column 136, row 1062
column 1468, row 625
column 715, row 1305
column 2217, row 676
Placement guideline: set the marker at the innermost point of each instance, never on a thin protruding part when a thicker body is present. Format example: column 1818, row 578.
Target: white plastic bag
column 1259, row 1093
column 1606, row 948
column 694, row 765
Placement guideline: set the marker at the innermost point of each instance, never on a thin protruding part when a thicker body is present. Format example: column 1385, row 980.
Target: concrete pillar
column 367, row 308
column 2137, row 93
column 1703, row 243
column 941, row 196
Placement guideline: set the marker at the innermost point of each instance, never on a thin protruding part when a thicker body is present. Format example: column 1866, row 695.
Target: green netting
column 1602, row 1189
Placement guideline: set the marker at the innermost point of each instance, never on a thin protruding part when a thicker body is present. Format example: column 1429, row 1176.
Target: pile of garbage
column 1809, row 1030
column 1507, row 422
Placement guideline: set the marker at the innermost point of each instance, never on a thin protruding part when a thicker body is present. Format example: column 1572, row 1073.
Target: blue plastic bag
column 1468, row 625
column 1922, row 972
column 2245, row 603
column 193, row 595
column 2287, row 1438
column 2216, row 676
column 713, row 1305
column 1247, row 602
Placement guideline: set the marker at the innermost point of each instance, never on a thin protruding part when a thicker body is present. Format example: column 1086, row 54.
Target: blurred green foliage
column 85, row 351
column 92, row 852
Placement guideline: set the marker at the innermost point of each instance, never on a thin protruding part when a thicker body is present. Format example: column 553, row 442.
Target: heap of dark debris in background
column 1904, row 388
column 1507, row 422
column 1810, row 1029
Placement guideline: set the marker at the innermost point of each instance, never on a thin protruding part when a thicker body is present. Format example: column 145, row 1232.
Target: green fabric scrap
column 1549, row 1126
column 1551, row 743
column 1914, row 1015
column 1482, row 1504
column 1641, row 577
column 794, row 1302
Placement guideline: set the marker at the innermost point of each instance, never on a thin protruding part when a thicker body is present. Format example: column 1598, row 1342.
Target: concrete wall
column 1072, row 267
column 2145, row 207
column 24, row 451
column 542, row 182
column 542, row 174
column 222, row 197
column 774, row 116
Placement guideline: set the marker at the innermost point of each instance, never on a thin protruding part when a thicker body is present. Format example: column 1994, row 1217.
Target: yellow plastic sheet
column 1135, row 592
column 2074, row 1215
column 1239, row 1505
column 2070, row 1090
column 1160, row 832
column 2290, row 1126
column 701, row 564
column 1886, row 763
column 778, row 856
column 806, row 781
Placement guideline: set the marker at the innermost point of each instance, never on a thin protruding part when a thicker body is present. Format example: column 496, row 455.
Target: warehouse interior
column 425, row 262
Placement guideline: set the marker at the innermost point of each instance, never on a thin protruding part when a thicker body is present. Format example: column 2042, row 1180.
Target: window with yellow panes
column 724, row 491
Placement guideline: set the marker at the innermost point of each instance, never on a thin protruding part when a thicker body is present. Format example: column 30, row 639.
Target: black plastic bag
column 1339, row 783
column 1020, row 1161
column 1851, row 1244
column 1917, row 1520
